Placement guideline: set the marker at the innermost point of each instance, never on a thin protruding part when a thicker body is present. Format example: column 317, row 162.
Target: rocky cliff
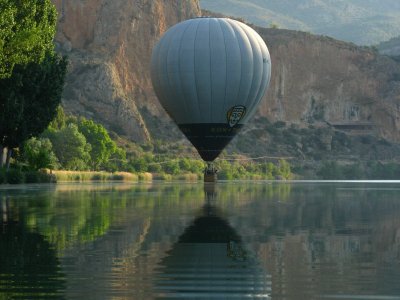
column 315, row 80
column 319, row 79
column 109, row 45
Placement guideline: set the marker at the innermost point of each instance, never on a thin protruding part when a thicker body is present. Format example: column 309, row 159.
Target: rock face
column 109, row 46
column 315, row 79
column 318, row 79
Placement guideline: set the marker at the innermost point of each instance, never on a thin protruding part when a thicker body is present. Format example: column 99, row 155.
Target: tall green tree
column 27, row 29
column 102, row 146
column 39, row 153
column 29, row 99
column 70, row 147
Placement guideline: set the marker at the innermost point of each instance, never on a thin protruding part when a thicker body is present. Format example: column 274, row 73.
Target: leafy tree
column 29, row 99
column 27, row 29
column 284, row 169
column 39, row 153
column 172, row 167
column 70, row 147
column 117, row 161
column 196, row 166
column 330, row 170
column 102, row 146
column 139, row 164
column 59, row 120
column 155, row 168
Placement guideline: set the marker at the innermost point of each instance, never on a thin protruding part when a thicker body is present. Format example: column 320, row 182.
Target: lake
column 268, row 240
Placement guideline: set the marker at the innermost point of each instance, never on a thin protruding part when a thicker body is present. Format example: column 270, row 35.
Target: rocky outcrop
column 315, row 80
column 109, row 46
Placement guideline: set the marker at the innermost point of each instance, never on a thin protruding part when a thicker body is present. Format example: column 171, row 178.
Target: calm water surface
column 300, row 240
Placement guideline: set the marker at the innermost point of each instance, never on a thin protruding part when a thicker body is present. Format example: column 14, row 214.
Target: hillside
column 364, row 22
column 391, row 47
column 327, row 98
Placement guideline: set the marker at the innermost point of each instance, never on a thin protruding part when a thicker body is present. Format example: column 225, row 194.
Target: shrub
column 330, row 170
column 154, row 168
column 39, row 154
column 125, row 176
column 171, row 167
column 188, row 177
column 145, row 176
column 32, row 177
column 2, row 176
column 15, row 176
column 162, row 176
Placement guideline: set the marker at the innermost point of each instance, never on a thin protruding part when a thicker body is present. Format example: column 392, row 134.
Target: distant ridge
column 363, row 22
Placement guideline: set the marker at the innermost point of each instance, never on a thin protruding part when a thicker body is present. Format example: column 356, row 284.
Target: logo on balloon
column 235, row 114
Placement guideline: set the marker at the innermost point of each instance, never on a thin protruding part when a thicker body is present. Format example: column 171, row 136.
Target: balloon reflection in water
column 210, row 261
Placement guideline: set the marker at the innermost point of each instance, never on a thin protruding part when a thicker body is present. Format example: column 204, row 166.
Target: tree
column 97, row 136
column 171, row 167
column 27, row 29
column 330, row 170
column 70, row 147
column 117, row 161
column 29, row 99
column 284, row 169
column 39, row 153
column 59, row 120
column 139, row 164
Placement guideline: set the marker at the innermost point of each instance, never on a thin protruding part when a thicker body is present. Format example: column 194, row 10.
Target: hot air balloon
column 210, row 74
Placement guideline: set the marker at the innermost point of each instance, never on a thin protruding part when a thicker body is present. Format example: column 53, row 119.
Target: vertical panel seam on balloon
column 264, row 83
column 194, row 70
column 255, row 42
column 252, row 73
column 241, row 64
column 180, row 73
column 163, row 75
column 226, row 64
column 167, row 76
column 159, row 53
column 211, row 77
column 266, row 73
column 172, row 89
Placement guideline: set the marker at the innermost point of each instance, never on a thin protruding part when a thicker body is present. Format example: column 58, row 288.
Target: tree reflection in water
column 29, row 268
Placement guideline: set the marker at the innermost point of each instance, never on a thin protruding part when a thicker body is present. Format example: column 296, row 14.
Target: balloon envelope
column 210, row 74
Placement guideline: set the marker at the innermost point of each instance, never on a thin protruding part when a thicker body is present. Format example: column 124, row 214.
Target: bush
column 32, row 177
column 162, row 176
column 39, row 154
column 2, row 176
column 154, row 168
column 125, row 176
column 39, row 177
column 330, row 170
column 171, row 167
column 188, row 177
column 15, row 176
column 145, row 176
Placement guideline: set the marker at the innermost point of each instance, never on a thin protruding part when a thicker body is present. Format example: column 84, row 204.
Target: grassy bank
column 61, row 176
column 15, row 176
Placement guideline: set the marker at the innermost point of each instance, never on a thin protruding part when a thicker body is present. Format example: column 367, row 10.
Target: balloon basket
column 210, row 173
column 210, row 177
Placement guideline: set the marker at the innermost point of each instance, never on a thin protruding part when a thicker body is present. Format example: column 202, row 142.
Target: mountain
column 325, row 94
column 363, row 22
column 391, row 47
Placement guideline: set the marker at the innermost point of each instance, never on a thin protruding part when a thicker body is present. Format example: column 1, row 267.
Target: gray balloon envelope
column 210, row 74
